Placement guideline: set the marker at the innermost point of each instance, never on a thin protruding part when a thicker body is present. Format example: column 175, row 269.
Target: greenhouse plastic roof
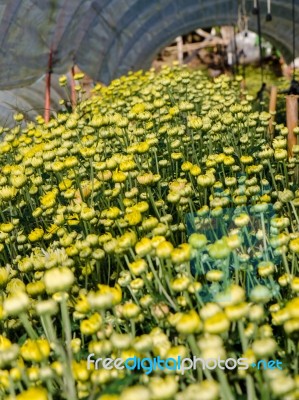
column 107, row 38
column 29, row 100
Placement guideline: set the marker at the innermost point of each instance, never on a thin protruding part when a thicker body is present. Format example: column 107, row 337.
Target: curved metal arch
column 111, row 37
column 190, row 24
column 130, row 55
column 125, row 52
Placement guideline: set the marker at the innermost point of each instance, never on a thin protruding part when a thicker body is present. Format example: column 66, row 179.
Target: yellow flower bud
column 164, row 249
column 35, row 288
column 198, row 240
column 35, row 350
column 218, row 323
column 36, row 234
column 179, row 284
column 143, row 247
column 3, row 276
column 130, row 310
column 188, row 323
column 138, row 267
column 91, row 325
column 133, row 218
column 219, row 249
column 33, row 393
column 236, row 312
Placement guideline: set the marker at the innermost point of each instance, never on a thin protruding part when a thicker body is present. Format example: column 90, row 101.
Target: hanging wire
column 268, row 15
column 236, row 55
column 294, row 86
column 242, row 23
column 259, row 32
column 243, row 27
column 257, row 11
column 294, row 36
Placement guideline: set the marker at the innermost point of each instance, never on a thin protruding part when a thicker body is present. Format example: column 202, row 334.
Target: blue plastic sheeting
column 107, row 38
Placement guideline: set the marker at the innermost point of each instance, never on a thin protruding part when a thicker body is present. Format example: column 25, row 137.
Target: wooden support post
column 179, row 41
column 73, row 91
column 292, row 121
column 48, row 90
column 242, row 89
column 272, row 110
column 48, row 97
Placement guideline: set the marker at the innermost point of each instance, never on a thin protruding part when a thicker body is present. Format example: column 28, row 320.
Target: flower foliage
column 156, row 219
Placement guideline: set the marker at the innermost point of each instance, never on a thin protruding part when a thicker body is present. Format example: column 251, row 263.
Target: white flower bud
column 46, row 307
column 264, row 347
column 16, row 303
column 58, row 279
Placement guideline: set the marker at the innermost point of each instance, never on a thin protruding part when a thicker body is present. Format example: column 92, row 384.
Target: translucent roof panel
column 106, row 38
column 29, row 100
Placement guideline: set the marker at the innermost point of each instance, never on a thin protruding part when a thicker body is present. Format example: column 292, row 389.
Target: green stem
column 225, row 389
column 27, row 325
column 242, row 336
column 162, row 289
column 286, row 265
column 295, row 213
column 151, row 197
column 264, row 236
column 68, row 336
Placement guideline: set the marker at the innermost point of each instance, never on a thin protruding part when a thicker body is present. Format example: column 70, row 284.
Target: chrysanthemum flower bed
column 158, row 219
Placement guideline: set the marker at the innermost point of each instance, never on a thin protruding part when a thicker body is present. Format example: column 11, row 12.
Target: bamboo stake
column 292, row 121
column 48, row 90
column 48, row 97
column 272, row 110
column 73, row 91
column 179, row 41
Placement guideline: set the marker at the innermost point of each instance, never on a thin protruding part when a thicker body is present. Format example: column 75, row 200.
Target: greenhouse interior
column 149, row 200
